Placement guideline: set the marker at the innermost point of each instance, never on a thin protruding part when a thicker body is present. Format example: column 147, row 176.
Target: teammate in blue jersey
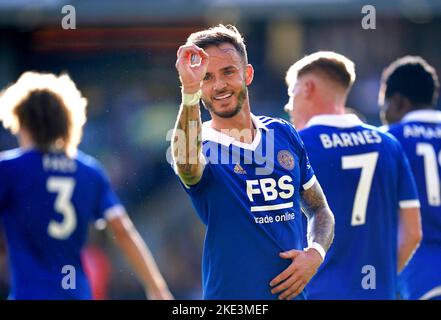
column 246, row 178
column 408, row 95
column 50, row 192
column 365, row 177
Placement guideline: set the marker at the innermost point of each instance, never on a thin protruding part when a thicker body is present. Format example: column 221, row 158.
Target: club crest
column 286, row 159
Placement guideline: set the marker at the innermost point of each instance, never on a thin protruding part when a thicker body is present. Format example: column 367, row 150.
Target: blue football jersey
column 46, row 204
column 249, row 200
column 420, row 135
column 366, row 179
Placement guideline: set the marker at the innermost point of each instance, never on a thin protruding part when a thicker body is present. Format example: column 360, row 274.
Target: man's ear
column 308, row 89
column 249, row 74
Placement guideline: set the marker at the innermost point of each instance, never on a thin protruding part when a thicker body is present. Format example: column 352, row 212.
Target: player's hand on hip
column 191, row 63
column 293, row 279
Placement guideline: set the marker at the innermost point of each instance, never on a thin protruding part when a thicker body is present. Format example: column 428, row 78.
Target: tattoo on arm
column 187, row 145
column 320, row 218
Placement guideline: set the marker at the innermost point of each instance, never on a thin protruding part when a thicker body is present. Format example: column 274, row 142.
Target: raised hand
column 191, row 63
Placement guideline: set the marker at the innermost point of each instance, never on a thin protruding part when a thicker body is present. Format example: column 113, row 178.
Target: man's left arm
column 139, row 255
column 293, row 279
column 320, row 218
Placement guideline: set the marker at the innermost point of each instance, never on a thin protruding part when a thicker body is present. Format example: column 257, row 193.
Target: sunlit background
column 122, row 56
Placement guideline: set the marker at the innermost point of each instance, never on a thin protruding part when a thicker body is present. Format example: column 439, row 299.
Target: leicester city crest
column 286, row 159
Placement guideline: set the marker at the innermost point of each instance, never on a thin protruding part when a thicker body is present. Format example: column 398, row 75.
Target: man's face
column 296, row 105
column 224, row 88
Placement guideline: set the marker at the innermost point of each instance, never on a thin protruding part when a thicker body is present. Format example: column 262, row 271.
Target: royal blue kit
column 46, row 204
column 249, row 200
column 420, row 135
column 366, row 178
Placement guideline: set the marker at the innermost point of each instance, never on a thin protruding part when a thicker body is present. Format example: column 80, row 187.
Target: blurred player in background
column 50, row 192
column 253, row 244
column 366, row 178
column 408, row 95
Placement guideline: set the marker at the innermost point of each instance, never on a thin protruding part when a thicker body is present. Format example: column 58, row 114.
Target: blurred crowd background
column 122, row 56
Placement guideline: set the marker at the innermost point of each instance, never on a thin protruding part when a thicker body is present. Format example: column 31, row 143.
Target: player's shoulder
column 283, row 130
column 16, row 158
column 383, row 132
column 11, row 155
column 275, row 123
column 394, row 129
column 89, row 162
column 272, row 121
column 313, row 130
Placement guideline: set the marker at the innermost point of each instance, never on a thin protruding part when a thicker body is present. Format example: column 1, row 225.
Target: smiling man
column 253, row 244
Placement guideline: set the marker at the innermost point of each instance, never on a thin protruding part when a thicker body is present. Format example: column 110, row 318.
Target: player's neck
column 320, row 108
column 24, row 140
column 331, row 111
column 332, row 106
column 240, row 127
column 330, row 101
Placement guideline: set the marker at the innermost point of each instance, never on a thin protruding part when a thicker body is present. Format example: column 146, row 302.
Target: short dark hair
column 49, row 107
column 215, row 36
column 414, row 78
column 334, row 66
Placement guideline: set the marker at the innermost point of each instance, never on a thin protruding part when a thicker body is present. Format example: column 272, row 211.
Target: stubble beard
column 228, row 114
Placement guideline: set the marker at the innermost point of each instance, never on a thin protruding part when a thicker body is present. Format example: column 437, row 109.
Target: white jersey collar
column 424, row 115
column 335, row 120
column 208, row 133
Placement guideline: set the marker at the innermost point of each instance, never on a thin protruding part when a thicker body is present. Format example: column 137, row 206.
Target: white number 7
column 367, row 162
column 64, row 188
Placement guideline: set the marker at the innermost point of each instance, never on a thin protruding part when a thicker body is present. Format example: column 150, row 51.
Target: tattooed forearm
column 187, row 145
column 320, row 218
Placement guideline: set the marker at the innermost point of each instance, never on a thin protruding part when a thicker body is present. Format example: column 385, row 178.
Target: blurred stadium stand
column 122, row 57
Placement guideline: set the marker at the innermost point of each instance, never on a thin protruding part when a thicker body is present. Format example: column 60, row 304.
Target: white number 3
column 64, row 188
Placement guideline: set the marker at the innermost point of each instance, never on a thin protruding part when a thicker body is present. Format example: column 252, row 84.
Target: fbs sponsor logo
column 239, row 170
column 271, row 191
